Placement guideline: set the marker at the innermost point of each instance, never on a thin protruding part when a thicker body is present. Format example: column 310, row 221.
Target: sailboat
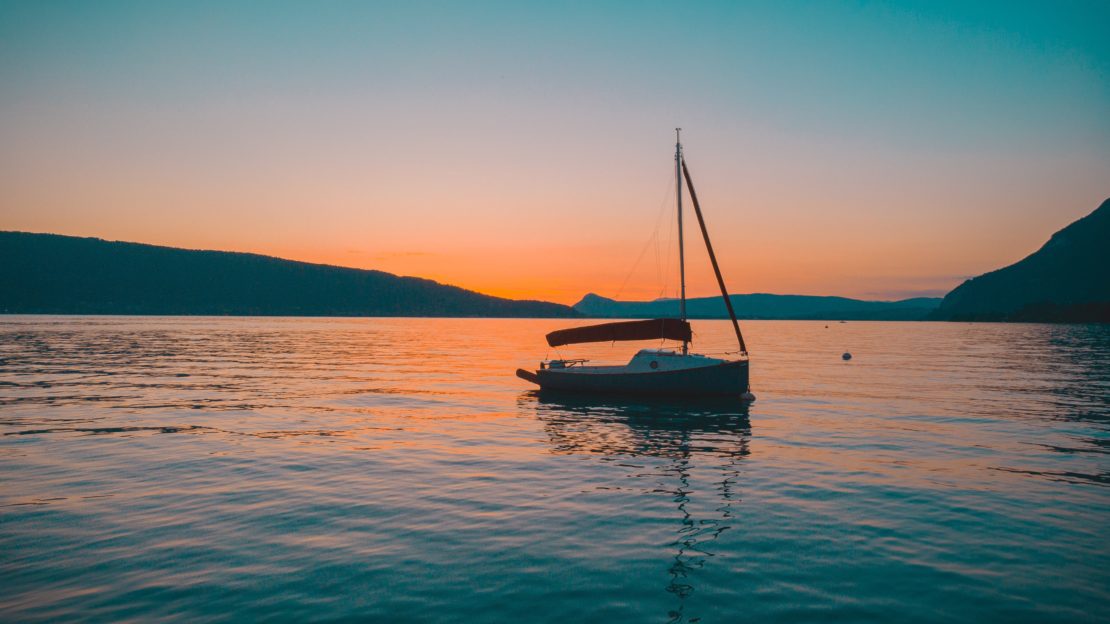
column 653, row 372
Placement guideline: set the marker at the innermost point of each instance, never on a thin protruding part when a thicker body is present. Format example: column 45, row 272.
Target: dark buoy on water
column 847, row 356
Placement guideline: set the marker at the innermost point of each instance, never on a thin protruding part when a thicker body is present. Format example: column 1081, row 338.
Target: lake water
column 193, row 469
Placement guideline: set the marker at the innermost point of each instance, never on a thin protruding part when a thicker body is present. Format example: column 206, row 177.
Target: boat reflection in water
column 709, row 436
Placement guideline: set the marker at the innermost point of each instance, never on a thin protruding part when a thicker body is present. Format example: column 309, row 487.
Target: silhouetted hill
column 52, row 274
column 763, row 306
column 1066, row 280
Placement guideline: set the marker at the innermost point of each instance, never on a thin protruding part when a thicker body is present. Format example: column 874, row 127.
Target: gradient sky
column 877, row 150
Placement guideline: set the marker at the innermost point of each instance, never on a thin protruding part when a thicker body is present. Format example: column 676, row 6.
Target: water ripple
column 396, row 470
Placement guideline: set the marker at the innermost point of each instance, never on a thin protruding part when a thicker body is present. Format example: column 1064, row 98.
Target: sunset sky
column 875, row 150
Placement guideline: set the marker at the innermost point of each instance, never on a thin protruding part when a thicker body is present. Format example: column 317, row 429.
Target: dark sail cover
column 669, row 328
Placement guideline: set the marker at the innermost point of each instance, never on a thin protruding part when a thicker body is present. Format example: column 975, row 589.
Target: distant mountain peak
column 594, row 297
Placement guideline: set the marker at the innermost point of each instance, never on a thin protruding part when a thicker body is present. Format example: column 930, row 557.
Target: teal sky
column 855, row 148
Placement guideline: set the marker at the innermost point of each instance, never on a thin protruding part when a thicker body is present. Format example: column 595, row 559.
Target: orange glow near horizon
column 545, row 238
column 779, row 258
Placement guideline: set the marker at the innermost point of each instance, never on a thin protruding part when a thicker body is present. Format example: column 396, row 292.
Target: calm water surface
column 194, row 469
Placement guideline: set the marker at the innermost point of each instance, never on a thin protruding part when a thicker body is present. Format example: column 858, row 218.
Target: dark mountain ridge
column 54, row 274
column 1066, row 280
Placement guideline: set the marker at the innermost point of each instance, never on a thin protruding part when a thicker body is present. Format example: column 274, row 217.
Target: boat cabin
column 645, row 361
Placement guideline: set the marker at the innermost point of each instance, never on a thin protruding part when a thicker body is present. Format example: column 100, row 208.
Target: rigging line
column 664, row 291
column 659, row 277
column 654, row 237
column 666, row 258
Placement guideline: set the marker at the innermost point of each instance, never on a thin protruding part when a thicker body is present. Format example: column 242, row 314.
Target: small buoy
column 847, row 356
column 747, row 396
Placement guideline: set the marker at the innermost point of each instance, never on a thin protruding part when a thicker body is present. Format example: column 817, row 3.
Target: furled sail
column 669, row 328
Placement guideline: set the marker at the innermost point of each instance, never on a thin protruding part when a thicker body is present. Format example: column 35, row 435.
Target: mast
column 681, row 249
